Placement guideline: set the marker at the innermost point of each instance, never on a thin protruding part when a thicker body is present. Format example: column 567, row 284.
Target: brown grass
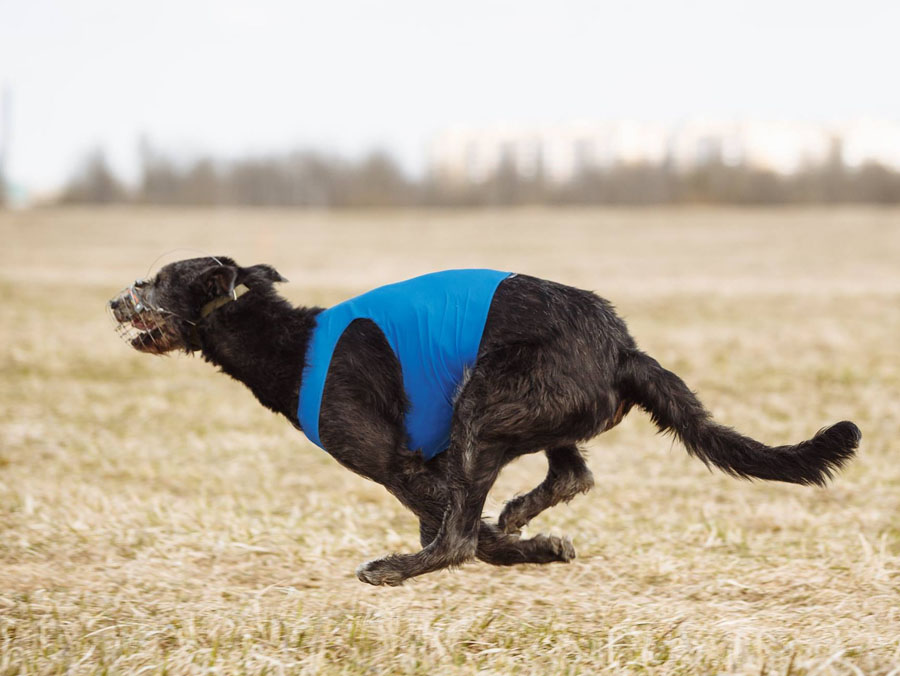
column 154, row 518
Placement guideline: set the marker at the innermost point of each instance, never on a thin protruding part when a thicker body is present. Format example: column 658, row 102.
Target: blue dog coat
column 433, row 323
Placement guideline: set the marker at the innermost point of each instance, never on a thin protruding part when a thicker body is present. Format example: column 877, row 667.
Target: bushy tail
column 674, row 408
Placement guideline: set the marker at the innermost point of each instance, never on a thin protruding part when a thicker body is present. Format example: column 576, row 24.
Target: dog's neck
column 261, row 341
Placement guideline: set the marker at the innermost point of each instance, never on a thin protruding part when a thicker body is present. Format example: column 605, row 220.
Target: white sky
column 229, row 77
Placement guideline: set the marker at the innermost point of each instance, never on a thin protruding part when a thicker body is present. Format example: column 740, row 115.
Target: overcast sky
column 230, row 77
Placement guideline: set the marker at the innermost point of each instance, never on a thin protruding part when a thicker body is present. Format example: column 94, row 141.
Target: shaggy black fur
column 555, row 368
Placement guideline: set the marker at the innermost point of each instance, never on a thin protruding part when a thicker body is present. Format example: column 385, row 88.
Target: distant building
column 560, row 152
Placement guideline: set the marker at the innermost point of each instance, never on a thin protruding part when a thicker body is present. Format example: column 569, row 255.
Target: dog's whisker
column 152, row 332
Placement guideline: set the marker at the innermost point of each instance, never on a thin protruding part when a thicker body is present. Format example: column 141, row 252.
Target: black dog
column 555, row 367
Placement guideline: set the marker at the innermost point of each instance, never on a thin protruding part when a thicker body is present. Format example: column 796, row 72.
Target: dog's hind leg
column 567, row 476
column 502, row 549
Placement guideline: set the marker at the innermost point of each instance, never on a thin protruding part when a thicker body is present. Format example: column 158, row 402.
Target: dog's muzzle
column 141, row 324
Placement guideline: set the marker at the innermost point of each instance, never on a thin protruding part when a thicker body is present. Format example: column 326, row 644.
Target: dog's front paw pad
column 380, row 572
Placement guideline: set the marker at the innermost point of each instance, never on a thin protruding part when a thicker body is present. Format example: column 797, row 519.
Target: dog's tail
column 674, row 408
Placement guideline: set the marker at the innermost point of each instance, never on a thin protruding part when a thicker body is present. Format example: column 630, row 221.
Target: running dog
column 430, row 386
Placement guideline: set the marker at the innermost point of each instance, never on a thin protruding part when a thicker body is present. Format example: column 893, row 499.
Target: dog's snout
column 120, row 308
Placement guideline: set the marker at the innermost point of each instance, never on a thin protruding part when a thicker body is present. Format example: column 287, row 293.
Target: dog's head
column 160, row 314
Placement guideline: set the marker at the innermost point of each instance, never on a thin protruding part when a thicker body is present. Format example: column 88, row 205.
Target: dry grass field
column 155, row 519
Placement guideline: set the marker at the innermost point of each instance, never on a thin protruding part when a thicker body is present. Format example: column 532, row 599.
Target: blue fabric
column 433, row 323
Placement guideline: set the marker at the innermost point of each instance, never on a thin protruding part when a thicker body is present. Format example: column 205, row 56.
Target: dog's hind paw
column 383, row 571
column 513, row 516
column 566, row 550
column 557, row 548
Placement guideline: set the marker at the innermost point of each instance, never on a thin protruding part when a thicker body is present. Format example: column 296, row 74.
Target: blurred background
column 727, row 173
column 402, row 103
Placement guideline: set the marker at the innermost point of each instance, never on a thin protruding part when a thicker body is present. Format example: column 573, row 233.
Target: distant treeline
column 311, row 179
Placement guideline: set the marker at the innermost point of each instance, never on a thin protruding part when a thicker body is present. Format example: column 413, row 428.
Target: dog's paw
column 555, row 548
column 513, row 516
column 564, row 548
column 383, row 571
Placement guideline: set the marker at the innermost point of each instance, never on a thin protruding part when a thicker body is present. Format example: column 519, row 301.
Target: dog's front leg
column 471, row 470
column 454, row 542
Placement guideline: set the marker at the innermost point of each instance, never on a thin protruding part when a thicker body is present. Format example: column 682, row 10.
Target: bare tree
column 94, row 183
column 312, row 179
column 5, row 140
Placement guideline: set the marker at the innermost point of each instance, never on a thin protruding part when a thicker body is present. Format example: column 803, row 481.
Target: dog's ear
column 266, row 272
column 218, row 280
